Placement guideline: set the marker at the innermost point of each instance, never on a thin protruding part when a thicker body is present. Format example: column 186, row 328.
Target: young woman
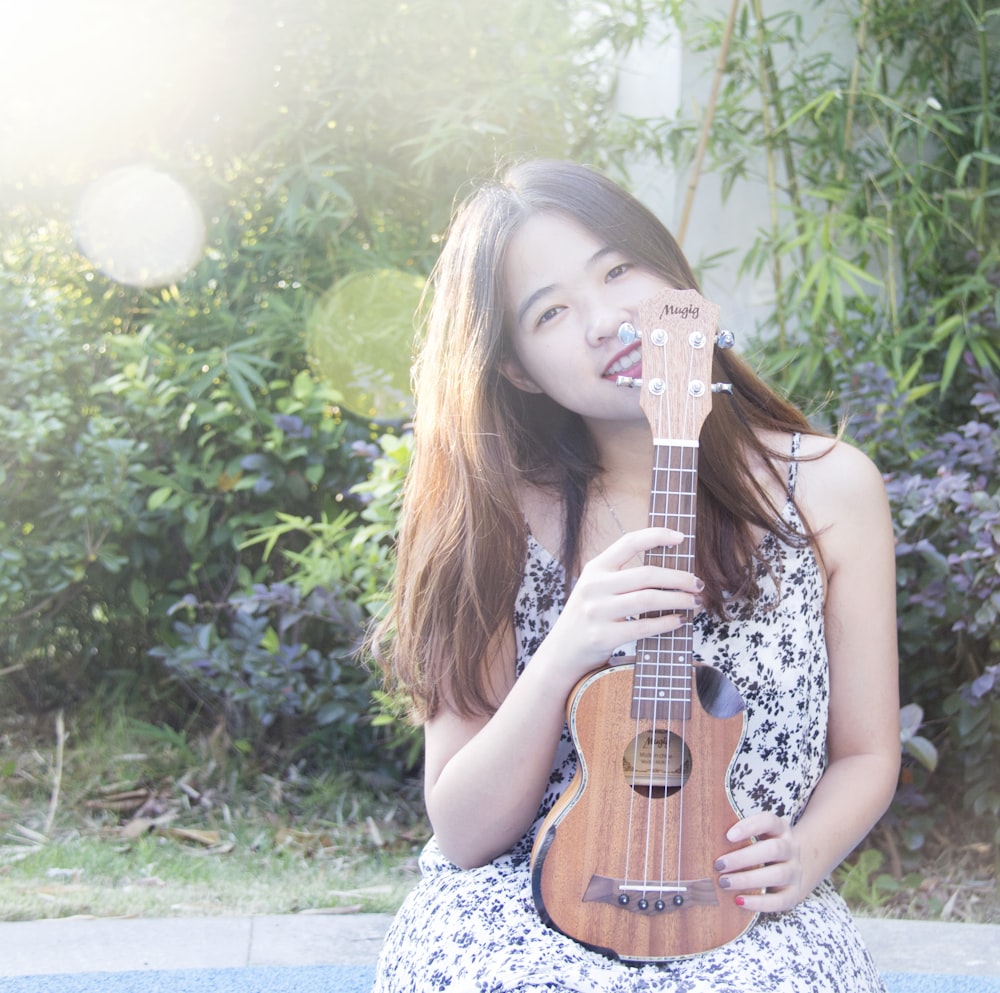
column 521, row 570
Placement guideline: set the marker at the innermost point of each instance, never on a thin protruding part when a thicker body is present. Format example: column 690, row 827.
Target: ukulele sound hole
column 656, row 763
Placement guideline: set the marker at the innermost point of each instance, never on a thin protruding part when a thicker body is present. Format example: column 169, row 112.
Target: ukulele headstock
column 679, row 331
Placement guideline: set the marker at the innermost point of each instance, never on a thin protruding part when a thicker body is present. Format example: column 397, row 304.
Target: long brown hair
column 461, row 547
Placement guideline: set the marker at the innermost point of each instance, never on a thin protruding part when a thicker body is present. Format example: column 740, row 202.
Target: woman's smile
column 628, row 363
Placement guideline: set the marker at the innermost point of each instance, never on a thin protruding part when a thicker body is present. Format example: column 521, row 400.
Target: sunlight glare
column 140, row 227
column 87, row 85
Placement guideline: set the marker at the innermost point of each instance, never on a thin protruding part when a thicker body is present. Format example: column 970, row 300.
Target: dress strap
column 793, row 464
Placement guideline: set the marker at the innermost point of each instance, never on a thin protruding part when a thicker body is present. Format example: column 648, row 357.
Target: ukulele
column 624, row 861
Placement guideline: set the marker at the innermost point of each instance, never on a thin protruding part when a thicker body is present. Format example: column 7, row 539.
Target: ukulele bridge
column 651, row 897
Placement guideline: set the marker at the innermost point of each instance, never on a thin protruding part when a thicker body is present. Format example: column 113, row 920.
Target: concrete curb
column 81, row 945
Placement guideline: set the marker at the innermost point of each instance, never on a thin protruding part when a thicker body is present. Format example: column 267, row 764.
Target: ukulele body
column 624, row 861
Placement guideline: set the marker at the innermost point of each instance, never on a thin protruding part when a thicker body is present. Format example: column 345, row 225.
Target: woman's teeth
column 625, row 362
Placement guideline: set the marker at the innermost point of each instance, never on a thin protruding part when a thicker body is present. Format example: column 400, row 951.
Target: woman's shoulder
column 837, row 482
column 830, row 474
column 837, row 465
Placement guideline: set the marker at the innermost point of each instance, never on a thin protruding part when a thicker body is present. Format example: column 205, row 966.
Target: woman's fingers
column 764, row 876
column 618, row 598
column 623, row 551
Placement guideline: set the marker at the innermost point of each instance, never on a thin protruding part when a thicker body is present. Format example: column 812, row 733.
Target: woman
column 521, row 569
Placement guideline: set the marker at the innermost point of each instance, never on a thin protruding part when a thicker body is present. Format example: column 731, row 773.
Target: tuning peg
column 725, row 339
column 722, row 388
column 627, row 333
column 628, row 381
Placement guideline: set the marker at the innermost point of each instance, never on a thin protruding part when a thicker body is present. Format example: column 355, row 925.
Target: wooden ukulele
column 624, row 861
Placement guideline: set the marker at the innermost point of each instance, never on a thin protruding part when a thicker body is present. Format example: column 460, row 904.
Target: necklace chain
column 607, row 503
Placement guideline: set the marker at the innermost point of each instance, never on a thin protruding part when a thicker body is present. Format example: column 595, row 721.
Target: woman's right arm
column 485, row 776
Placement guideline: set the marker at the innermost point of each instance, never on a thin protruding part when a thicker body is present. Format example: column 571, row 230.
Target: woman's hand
column 772, row 864
column 614, row 590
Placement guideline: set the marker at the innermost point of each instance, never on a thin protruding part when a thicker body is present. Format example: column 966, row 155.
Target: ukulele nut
column 657, row 387
column 696, row 388
column 658, row 336
column 697, row 339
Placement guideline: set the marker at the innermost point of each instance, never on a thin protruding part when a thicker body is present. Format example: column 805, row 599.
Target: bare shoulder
column 836, row 479
column 842, row 495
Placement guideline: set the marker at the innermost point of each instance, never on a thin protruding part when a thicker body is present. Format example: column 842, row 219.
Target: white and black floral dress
column 477, row 930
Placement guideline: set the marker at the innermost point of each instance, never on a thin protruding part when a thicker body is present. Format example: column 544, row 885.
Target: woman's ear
column 514, row 373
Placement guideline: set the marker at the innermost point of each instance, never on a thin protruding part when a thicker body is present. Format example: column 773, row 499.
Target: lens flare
column 140, row 227
column 360, row 336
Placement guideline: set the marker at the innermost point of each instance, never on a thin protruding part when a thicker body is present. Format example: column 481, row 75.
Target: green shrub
column 944, row 492
column 129, row 481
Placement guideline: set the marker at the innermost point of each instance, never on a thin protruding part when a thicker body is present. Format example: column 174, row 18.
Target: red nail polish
column 739, row 901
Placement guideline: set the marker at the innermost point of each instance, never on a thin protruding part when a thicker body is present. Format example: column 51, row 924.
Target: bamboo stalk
column 852, row 93
column 706, row 124
column 984, row 103
column 767, row 96
column 771, row 100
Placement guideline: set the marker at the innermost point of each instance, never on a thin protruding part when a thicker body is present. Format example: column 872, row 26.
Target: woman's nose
column 605, row 323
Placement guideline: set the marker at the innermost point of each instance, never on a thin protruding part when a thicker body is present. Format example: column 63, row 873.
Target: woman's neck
column 625, row 450
column 621, row 496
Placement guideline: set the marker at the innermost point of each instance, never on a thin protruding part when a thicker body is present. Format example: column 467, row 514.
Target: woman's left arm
column 843, row 497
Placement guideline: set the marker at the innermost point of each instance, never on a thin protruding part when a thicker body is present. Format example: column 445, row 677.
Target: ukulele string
column 636, row 753
column 684, row 493
column 679, row 660
column 675, row 705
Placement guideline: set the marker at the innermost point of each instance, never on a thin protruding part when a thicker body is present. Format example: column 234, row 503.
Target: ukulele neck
column 664, row 677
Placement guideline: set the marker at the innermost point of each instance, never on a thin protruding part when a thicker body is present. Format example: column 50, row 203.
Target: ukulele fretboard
column 663, row 681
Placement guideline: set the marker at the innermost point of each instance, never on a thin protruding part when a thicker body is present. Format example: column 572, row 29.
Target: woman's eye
column 619, row 270
column 548, row 314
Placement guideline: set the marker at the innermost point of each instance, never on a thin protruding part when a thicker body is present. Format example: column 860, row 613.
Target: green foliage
column 863, row 884
column 871, row 127
column 284, row 656
column 974, row 710
column 944, row 492
column 131, row 481
column 177, row 468
column 178, row 472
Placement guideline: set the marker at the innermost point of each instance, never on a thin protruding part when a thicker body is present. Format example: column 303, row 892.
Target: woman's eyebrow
column 543, row 290
column 532, row 299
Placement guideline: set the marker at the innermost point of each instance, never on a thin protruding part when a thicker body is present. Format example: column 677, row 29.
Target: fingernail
column 720, row 865
column 739, row 901
column 699, row 584
column 725, row 883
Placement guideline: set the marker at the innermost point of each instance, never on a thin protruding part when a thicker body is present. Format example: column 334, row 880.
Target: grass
column 123, row 818
column 134, row 820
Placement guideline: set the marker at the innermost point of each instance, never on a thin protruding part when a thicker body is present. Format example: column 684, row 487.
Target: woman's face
column 567, row 293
